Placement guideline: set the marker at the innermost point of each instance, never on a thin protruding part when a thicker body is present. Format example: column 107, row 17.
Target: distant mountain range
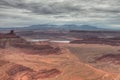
column 63, row 27
column 58, row 27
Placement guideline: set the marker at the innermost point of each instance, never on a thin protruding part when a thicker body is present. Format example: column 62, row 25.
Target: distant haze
column 22, row 13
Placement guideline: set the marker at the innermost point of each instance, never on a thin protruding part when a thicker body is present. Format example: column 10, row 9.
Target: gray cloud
column 88, row 11
column 42, row 8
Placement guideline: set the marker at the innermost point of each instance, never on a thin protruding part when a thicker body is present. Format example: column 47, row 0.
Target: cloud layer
column 27, row 12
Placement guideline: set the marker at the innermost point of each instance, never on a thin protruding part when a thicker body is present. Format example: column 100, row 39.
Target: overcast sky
column 20, row 13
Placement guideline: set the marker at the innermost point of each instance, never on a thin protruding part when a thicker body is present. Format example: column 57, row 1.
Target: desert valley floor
column 71, row 63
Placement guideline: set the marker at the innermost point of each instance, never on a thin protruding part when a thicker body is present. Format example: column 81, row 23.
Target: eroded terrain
column 22, row 60
column 17, row 65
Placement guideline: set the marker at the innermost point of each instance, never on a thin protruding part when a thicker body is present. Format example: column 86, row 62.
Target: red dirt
column 35, row 75
column 112, row 58
column 2, row 62
column 46, row 73
column 16, row 69
column 19, row 72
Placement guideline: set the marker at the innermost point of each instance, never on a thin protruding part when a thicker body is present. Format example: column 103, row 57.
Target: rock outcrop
column 7, row 40
column 12, row 40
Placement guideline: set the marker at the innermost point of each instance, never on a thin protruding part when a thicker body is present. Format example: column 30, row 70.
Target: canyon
column 24, row 60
